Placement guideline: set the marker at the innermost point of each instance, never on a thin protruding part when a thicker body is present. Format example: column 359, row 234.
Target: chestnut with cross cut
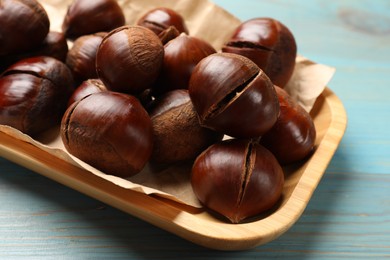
column 232, row 95
column 237, row 178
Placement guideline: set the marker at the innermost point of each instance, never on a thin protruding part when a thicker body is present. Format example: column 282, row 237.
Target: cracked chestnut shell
column 161, row 18
column 129, row 59
column 24, row 25
column 178, row 135
column 86, row 88
column 81, row 58
column 88, row 17
column 34, row 93
column 232, row 95
column 293, row 136
column 181, row 55
column 268, row 43
column 110, row 131
column 237, row 178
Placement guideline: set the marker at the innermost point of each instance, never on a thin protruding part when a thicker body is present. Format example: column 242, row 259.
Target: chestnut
column 34, row 93
column 81, row 58
column 54, row 45
column 268, row 43
column 110, row 131
column 181, row 55
column 24, row 25
column 161, row 18
column 293, row 136
column 129, row 59
column 86, row 88
column 237, row 178
column 88, row 17
column 178, row 135
column 232, row 95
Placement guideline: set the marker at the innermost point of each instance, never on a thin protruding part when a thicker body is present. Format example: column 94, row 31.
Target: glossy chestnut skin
column 233, row 96
column 293, row 136
column 178, row 135
column 86, row 88
column 181, row 55
column 110, row 131
column 268, row 43
column 87, row 17
column 161, row 18
column 129, row 59
column 34, row 93
column 24, row 25
column 237, row 178
column 81, row 58
column 54, row 45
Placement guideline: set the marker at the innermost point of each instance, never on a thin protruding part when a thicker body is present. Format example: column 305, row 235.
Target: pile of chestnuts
column 127, row 95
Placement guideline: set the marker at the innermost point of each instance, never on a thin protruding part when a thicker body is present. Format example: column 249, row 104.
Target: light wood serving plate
column 198, row 225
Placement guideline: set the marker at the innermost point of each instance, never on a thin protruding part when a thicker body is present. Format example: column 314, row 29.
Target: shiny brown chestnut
column 24, row 25
column 86, row 88
column 161, row 18
column 270, row 44
column 178, row 135
column 54, row 45
column 181, row 55
column 34, row 93
column 293, row 136
column 87, row 17
column 81, row 58
column 237, row 178
column 129, row 59
column 232, row 95
column 110, row 131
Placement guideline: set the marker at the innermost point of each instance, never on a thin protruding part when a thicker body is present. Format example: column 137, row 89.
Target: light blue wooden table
column 349, row 214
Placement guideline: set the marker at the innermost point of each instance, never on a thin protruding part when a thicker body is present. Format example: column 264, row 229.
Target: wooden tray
column 198, row 225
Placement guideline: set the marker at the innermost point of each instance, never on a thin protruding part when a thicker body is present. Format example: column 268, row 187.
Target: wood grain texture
column 349, row 214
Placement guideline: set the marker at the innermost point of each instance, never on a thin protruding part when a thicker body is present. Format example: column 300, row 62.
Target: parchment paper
column 204, row 20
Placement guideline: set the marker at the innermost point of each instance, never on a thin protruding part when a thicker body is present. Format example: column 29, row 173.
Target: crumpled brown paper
column 204, row 20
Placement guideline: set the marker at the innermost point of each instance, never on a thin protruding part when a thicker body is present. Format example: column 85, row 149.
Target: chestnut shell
column 129, row 59
column 178, row 136
column 161, row 18
column 110, row 131
column 24, row 25
column 237, row 178
column 34, row 93
column 181, row 55
column 88, row 17
column 293, row 136
column 268, row 43
column 233, row 96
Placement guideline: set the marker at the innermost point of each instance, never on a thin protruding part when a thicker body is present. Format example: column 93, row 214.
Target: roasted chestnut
column 181, row 55
column 88, row 17
column 237, row 178
column 34, row 93
column 268, row 43
column 293, row 136
column 233, row 96
column 86, row 88
column 178, row 135
column 24, row 25
column 129, row 59
column 81, row 58
column 110, row 131
column 161, row 18
column 54, row 45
